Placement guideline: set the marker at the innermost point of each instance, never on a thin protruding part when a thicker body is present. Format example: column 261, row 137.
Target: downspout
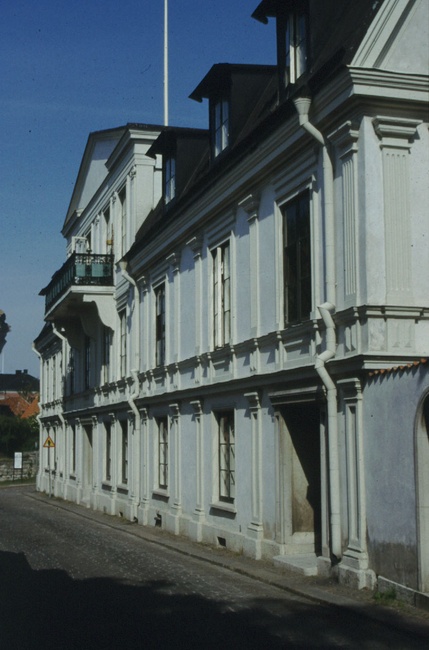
column 39, row 419
column 136, row 388
column 60, row 413
column 302, row 105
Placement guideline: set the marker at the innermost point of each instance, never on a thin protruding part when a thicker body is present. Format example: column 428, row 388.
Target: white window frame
column 226, row 455
column 296, row 45
column 122, row 197
column 163, row 452
column 160, row 324
column 220, row 125
column 123, row 343
column 221, row 264
column 170, row 179
column 124, row 451
column 108, row 451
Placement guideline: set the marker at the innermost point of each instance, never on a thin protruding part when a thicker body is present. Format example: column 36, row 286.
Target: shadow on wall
column 48, row 609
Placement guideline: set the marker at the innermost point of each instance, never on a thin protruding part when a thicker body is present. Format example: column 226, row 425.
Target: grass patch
column 388, row 597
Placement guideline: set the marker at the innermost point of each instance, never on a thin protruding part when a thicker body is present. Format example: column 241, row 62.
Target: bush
column 16, row 435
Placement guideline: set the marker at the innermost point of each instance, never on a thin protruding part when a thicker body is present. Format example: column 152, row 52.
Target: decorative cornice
column 345, row 138
column 175, row 410
column 254, row 400
column 250, row 205
column 196, row 245
column 395, row 132
column 174, row 260
column 197, row 405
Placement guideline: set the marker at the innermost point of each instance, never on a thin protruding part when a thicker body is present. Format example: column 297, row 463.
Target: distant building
column 4, row 329
column 19, row 394
column 236, row 346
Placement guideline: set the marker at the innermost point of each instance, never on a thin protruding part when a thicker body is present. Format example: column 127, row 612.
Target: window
column 73, row 450
column 220, row 126
column 107, row 338
column 297, row 259
column 124, row 451
column 71, row 371
column 170, row 179
column 108, row 457
column 160, row 325
column 296, row 46
column 226, row 455
column 162, row 453
column 87, row 363
column 123, row 343
column 221, row 295
column 123, row 218
column 108, row 227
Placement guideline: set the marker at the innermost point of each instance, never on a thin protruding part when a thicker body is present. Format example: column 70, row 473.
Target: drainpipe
column 136, row 391
column 302, row 105
column 39, row 420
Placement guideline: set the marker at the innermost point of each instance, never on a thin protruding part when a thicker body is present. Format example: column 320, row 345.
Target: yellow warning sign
column 49, row 442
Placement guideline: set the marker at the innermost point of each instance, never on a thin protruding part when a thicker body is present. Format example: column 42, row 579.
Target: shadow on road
column 48, row 609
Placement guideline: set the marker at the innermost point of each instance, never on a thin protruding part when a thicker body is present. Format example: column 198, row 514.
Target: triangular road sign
column 49, row 442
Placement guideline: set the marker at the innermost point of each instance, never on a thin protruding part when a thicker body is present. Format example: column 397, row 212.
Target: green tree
column 17, row 434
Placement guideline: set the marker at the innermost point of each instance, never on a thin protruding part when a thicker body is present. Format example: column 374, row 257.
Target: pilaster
column 255, row 529
column 396, row 136
column 250, row 205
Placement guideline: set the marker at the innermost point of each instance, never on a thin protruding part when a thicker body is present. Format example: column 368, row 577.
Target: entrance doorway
column 87, row 473
column 422, row 485
column 302, row 475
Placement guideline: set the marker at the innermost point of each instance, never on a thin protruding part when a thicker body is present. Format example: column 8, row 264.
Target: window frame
column 220, row 124
column 297, row 259
column 108, row 451
column 87, row 354
column 160, row 321
column 170, row 178
column 225, row 421
column 124, row 451
column 297, row 45
column 122, row 198
column 163, row 451
column 123, row 343
column 221, row 285
column 106, row 352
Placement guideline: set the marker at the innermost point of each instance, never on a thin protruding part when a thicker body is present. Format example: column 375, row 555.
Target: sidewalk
column 323, row 591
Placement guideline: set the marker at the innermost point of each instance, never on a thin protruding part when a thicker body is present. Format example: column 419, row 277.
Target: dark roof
column 220, row 75
column 20, row 381
column 336, row 27
column 336, row 31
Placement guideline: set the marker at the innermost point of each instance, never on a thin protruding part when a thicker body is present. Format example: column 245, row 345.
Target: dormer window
column 170, row 179
column 220, row 126
column 292, row 35
column 296, row 46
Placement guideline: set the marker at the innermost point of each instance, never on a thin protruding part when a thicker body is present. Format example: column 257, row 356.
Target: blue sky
column 69, row 68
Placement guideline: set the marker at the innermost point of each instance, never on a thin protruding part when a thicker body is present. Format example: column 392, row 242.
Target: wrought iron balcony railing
column 79, row 270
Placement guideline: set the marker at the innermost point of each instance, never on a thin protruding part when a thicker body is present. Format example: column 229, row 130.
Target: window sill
column 159, row 492
column 224, row 505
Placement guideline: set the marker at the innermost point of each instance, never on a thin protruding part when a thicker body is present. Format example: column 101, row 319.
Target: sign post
column 49, row 444
column 17, row 462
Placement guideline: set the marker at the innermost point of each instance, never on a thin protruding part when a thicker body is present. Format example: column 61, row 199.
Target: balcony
column 81, row 274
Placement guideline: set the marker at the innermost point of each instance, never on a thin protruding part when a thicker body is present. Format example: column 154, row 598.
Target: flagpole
column 165, row 62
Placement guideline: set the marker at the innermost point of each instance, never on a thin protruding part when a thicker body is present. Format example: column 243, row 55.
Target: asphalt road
column 68, row 581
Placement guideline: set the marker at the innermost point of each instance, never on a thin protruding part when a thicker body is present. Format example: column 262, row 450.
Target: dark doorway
column 303, row 425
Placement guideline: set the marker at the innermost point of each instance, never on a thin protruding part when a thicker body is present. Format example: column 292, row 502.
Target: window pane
column 297, row 259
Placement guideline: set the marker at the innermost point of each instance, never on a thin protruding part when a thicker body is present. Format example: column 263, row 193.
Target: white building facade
column 237, row 342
